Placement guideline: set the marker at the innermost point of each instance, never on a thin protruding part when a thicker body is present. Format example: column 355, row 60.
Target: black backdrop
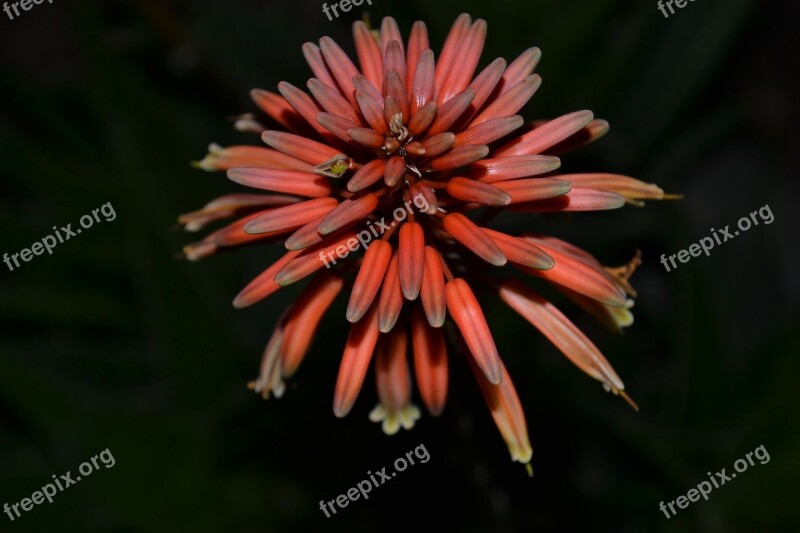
column 112, row 342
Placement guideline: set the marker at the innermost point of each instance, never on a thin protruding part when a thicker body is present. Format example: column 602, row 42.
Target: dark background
column 114, row 343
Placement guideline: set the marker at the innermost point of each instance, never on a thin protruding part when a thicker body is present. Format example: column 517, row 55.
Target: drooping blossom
column 399, row 163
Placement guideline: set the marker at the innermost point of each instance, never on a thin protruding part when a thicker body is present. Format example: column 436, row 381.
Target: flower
column 431, row 145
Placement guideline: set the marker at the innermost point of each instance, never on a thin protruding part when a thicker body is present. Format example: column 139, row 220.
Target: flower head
column 382, row 180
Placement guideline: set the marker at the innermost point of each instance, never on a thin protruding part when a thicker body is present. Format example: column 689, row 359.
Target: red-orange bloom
column 383, row 179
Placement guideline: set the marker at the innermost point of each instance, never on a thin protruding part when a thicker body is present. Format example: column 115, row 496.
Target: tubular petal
column 489, row 131
column 290, row 216
column 220, row 158
column 411, row 250
column 263, row 285
column 469, row 54
column 519, row 69
column 450, row 50
column 312, row 260
column 422, row 86
column 299, row 147
column 451, row 111
column 507, row 413
column 561, row 332
column 417, row 45
column 391, row 301
column 540, row 139
column 394, row 384
column 394, row 171
column 468, row 316
column 340, row 66
column 510, row 101
column 460, row 156
column 434, row 299
column 302, row 321
column 332, row 101
column 283, row 181
column 430, row 362
column 369, row 53
column 347, row 212
column 520, row 251
column 526, row 190
column 369, row 279
column 514, row 167
column 470, row 190
column 372, row 111
column 366, row 175
column 577, row 199
column 578, row 276
column 474, row 238
column 355, row 361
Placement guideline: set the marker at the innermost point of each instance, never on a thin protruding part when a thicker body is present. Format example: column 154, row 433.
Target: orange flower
column 377, row 175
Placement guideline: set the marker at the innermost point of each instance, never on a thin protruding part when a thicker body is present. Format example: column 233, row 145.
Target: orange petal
column 579, row 276
column 394, row 171
column 369, row 279
column 299, row 147
column 220, row 158
column 391, row 370
column 540, row 139
column 577, row 199
column 474, row 238
column 411, row 249
column 305, row 106
column 422, row 86
column 434, row 299
column 369, row 53
column 507, row 413
column 367, row 175
column 451, row 111
column 466, row 312
column 451, row 49
column 391, row 301
column 510, row 101
column 390, row 31
column 332, row 101
column 526, row 190
column 561, row 332
column 337, row 125
column 422, row 190
column 314, row 259
column 290, row 216
column 396, row 88
column 305, row 236
column 231, row 235
column 631, row 188
column 366, row 137
column 279, row 110
column 439, row 143
column 355, row 361
column 471, row 190
column 395, row 60
column 488, row 131
column 284, row 181
column 347, row 212
column 460, row 156
column 514, row 167
column 270, row 376
column 340, row 66
column 229, row 205
column 520, row 251
column 588, row 134
column 302, row 321
column 484, row 85
column 417, row 45
column 315, row 60
column 372, row 111
column 469, row 54
column 430, row 362
column 422, row 119
column 520, row 68
column 263, row 285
